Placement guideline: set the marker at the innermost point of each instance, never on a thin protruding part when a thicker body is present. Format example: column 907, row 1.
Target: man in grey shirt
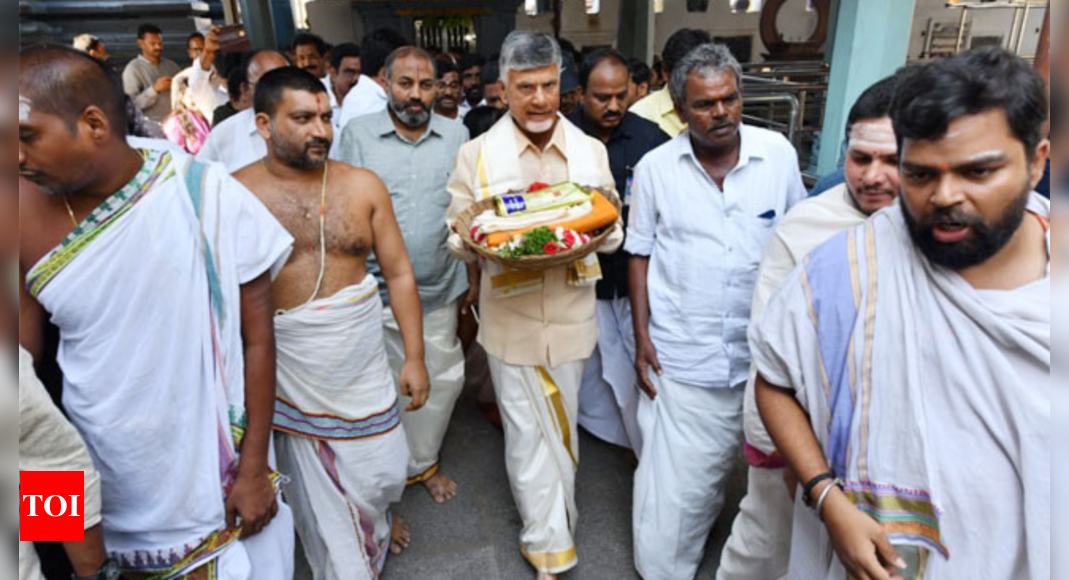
column 413, row 151
column 147, row 79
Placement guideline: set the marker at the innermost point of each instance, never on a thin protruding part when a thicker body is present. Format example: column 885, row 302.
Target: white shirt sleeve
column 206, row 93
column 797, row 192
column 642, row 224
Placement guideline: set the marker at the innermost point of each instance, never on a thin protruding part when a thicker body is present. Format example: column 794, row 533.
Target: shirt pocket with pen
column 754, row 234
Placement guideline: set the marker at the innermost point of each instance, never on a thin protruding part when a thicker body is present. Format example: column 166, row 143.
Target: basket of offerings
column 542, row 228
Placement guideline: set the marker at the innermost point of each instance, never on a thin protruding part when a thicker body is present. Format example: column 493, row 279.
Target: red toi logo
column 52, row 506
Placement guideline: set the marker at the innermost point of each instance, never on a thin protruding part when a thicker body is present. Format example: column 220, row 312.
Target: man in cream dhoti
column 760, row 543
column 338, row 416
column 414, row 152
column 538, row 328
column 905, row 365
column 157, row 271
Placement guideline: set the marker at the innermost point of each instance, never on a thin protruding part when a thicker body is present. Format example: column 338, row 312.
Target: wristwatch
column 109, row 571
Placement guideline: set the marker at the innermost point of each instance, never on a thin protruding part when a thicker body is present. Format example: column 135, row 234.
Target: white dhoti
column 539, row 407
column 692, row 437
column 444, row 357
column 608, row 398
column 760, row 544
column 340, row 437
column 755, row 550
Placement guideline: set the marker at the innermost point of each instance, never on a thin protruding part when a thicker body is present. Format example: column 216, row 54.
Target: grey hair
column 524, row 50
column 706, row 59
column 407, row 51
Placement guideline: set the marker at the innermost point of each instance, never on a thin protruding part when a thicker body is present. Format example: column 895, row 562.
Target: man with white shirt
column 236, row 142
column 760, row 543
column 201, row 83
column 704, row 207
column 344, row 73
column 369, row 94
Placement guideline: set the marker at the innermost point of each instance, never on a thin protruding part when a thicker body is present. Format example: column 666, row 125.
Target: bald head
column 407, row 52
column 64, row 82
column 264, row 62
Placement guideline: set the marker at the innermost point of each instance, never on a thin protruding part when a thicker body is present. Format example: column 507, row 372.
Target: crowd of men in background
column 266, row 313
column 218, row 84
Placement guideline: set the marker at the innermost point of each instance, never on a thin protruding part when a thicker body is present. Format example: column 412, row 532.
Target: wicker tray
column 536, row 263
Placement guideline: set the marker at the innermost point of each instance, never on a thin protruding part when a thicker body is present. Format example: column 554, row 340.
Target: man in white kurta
column 905, row 364
column 538, row 328
column 760, row 543
column 697, row 244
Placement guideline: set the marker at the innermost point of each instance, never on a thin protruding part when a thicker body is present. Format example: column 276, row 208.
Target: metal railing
column 788, row 97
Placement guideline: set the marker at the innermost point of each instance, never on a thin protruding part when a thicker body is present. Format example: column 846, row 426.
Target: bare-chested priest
column 337, row 418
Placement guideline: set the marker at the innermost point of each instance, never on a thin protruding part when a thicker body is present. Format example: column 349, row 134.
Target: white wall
column 335, row 20
column 719, row 20
column 795, row 22
column 984, row 23
column 576, row 25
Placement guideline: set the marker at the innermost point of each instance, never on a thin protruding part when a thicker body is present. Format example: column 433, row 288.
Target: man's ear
column 1038, row 166
column 263, row 126
column 97, row 123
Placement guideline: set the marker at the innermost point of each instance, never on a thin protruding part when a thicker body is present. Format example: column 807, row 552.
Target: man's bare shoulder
column 249, row 173
column 255, row 179
column 357, row 181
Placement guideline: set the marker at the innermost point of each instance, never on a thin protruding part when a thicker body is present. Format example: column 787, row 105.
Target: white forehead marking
column 25, row 108
column 877, row 135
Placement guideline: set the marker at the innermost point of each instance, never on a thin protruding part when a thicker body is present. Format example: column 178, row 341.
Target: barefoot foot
column 400, row 538
column 441, row 488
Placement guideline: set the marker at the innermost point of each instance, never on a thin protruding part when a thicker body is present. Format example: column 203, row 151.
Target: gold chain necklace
column 70, row 211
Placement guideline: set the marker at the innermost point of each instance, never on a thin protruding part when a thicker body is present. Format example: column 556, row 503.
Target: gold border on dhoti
column 554, row 398
column 425, row 475
column 550, row 561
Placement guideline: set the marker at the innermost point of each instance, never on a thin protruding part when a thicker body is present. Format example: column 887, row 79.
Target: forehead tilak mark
column 25, row 108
